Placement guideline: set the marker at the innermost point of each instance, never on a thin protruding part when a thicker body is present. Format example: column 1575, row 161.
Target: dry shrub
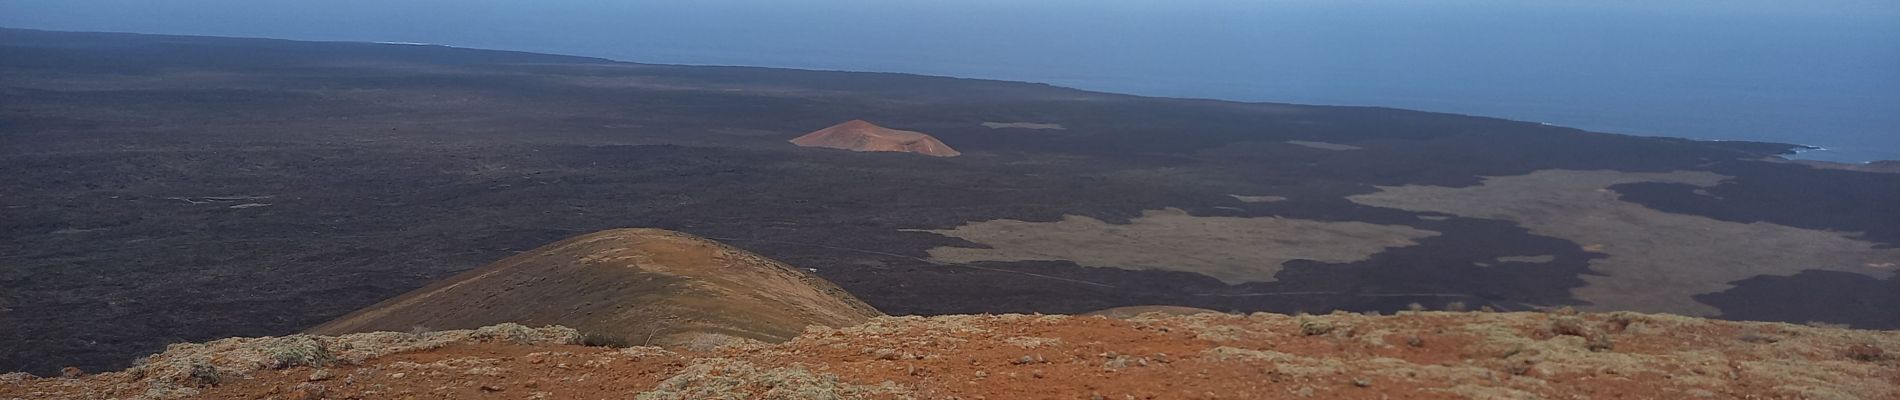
column 1571, row 326
column 1866, row 352
column 1754, row 335
column 298, row 350
column 1315, row 327
column 596, row 339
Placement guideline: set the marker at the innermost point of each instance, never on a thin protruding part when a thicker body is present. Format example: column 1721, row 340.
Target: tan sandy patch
column 1257, row 199
column 1324, row 145
column 1023, row 125
column 1232, row 249
column 1528, row 259
column 1657, row 260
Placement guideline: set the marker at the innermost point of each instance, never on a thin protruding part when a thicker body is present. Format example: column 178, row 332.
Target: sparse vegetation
column 1755, row 335
column 1315, row 327
column 1826, row 325
column 733, row 379
column 1866, row 352
column 1600, row 342
column 202, row 373
column 1481, row 355
column 298, row 350
column 1569, row 325
column 1455, row 306
column 518, row 334
column 596, row 339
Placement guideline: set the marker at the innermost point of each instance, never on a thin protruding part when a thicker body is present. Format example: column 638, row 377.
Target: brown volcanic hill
column 644, row 286
column 858, row 135
column 1413, row 355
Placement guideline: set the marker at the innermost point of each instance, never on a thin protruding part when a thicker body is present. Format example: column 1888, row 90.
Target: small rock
column 491, row 388
column 886, row 354
column 1361, row 382
column 71, row 373
column 320, row 375
column 1315, row 327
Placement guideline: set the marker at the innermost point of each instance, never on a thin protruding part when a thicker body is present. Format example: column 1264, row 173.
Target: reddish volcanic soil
column 1426, row 355
column 858, row 135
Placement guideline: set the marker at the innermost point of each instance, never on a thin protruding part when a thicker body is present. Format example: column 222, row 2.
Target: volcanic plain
column 169, row 189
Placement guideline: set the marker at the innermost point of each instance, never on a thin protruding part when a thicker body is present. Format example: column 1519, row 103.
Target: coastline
column 1840, row 153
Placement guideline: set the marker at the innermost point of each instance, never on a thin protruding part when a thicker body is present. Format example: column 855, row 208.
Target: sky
column 1815, row 71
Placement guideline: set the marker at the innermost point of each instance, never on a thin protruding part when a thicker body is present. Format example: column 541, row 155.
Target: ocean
column 1823, row 73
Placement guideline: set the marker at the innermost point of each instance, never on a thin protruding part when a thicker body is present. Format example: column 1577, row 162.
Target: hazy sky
column 1749, row 69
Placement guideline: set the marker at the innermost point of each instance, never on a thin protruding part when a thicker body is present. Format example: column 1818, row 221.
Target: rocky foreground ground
column 1414, row 355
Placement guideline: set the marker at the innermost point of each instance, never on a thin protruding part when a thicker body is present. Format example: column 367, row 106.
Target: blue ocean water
column 1823, row 73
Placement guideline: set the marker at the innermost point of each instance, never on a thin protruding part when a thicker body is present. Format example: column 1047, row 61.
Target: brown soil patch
column 1232, row 249
column 1656, row 260
column 1430, row 355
